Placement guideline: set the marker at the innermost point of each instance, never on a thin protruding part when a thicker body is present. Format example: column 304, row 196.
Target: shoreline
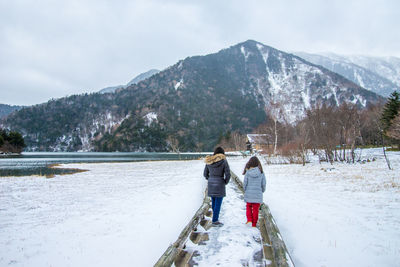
column 53, row 169
column 8, row 154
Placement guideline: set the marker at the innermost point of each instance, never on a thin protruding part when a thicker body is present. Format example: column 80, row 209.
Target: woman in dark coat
column 218, row 174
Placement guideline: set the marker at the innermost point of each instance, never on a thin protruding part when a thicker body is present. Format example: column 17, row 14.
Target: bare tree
column 234, row 142
column 372, row 128
column 349, row 123
column 303, row 140
column 173, row 143
column 324, row 135
column 334, row 131
column 239, row 141
column 275, row 111
column 371, row 125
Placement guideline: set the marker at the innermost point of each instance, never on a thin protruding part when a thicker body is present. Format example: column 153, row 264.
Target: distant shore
column 6, row 154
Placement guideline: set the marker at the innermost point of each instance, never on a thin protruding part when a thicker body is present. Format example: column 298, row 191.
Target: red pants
column 252, row 212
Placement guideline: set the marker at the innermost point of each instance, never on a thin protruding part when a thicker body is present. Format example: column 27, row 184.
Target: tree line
column 331, row 132
column 11, row 141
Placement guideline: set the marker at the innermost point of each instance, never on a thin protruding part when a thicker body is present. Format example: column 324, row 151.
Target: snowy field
column 127, row 214
column 336, row 215
column 116, row 214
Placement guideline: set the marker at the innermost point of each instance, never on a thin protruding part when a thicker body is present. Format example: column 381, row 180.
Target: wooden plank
column 274, row 247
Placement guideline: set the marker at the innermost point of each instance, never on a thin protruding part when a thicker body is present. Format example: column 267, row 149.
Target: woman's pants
column 252, row 213
column 216, row 203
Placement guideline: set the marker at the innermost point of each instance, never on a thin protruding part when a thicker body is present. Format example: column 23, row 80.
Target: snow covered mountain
column 379, row 75
column 288, row 85
column 135, row 80
column 388, row 67
column 191, row 104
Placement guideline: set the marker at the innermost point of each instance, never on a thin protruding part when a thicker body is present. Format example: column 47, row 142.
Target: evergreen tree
column 390, row 110
column 16, row 140
column 11, row 142
column 3, row 134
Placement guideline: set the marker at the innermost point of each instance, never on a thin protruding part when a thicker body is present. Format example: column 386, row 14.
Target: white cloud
column 78, row 46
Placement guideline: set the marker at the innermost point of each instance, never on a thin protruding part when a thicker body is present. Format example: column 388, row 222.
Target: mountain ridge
column 138, row 78
column 348, row 66
column 189, row 105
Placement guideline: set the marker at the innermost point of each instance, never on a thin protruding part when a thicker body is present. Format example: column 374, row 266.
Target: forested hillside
column 190, row 105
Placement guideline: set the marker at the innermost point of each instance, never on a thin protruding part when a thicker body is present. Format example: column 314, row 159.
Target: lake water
column 39, row 163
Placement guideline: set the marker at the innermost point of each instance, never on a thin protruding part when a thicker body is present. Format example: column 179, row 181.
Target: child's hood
column 254, row 172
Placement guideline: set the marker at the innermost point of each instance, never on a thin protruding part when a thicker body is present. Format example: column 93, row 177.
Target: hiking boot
column 217, row 223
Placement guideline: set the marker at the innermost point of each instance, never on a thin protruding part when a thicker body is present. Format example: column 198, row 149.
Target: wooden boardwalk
column 233, row 244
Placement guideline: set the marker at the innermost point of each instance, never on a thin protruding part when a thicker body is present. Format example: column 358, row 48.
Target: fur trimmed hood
column 214, row 158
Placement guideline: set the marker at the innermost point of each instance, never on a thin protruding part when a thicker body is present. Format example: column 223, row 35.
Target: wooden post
column 175, row 253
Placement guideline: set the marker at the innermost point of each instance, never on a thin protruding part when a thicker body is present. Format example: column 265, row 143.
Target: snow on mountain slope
column 388, row 67
column 379, row 75
column 288, row 85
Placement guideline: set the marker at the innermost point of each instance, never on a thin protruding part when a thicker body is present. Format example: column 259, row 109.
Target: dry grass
column 71, row 170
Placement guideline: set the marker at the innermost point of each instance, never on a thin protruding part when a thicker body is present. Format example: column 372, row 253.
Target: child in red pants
column 254, row 187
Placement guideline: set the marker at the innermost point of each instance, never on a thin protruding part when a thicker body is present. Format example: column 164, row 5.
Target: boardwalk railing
column 274, row 247
column 176, row 253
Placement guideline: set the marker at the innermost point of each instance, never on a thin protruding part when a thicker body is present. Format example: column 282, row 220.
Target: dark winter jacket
column 217, row 173
column 254, row 185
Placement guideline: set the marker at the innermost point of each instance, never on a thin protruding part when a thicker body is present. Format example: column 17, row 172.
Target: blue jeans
column 216, row 203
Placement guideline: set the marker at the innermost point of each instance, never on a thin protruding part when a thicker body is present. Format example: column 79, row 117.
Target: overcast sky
column 50, row 49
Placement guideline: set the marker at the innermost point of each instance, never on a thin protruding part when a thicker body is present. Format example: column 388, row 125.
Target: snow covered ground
column 233, row 244
column 116, row 214
column 336, row 215
column 127, row 214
